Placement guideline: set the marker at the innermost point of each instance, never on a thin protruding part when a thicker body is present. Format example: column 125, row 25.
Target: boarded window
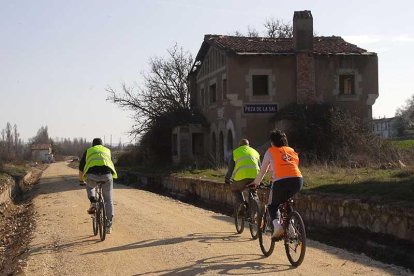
column 174, row 144
column 198, row 143
column 347, row 84
column 202, row 97
column 260, row 85
column 213, row 90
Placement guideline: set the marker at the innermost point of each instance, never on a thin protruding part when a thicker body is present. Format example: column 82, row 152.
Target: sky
column 57, row 58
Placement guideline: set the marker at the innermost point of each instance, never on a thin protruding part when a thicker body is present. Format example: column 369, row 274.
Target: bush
column 326, row 134
column 155, row 144
column 131, row 157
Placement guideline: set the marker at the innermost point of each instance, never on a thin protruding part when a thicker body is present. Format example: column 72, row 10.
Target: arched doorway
column 213, row 145
column 221, row 148
column 229, row 140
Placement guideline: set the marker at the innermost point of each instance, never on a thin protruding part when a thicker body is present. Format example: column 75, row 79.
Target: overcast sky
column 57, row 57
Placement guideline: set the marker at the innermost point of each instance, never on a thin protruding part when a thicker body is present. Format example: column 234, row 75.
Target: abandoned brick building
column 239, row 83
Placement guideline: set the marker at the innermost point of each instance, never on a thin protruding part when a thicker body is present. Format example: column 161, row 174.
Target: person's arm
column 263, row 169
column 82, row 164
column 230, row 169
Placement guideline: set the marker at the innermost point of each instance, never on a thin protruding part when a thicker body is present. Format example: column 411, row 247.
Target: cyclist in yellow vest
column 243, row 167
column 287, row 179
column 96, row 165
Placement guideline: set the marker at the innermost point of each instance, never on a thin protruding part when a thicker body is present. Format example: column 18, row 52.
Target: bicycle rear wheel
column 95, row 223
column 102, row 220
column 239, row 213
column 254, row 218
column 295, row 242
column 266, row 242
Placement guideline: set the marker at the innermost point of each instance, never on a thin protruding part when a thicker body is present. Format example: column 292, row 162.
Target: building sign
column 260, row 108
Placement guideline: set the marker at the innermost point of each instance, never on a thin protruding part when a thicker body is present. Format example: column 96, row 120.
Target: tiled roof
column 263, row 45
column 41, row 146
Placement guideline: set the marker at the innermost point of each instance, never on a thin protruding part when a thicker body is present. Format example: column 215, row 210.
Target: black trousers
column 281, row 191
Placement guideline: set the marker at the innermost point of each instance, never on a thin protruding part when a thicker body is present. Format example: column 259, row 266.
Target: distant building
column 385, row 127
column 239, row 83
column 42, row 153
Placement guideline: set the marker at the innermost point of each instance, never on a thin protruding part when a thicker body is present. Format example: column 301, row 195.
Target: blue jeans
column 107, row 188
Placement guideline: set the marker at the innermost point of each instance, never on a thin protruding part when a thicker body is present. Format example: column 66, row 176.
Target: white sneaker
column 277, row 229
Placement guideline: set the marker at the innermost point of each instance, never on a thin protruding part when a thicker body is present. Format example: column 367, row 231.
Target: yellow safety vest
column 246, row 161
column 99, row 156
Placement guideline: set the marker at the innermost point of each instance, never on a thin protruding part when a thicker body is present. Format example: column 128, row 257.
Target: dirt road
column 155, row 235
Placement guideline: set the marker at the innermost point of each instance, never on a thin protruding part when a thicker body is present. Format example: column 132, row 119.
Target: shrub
column 324, row 133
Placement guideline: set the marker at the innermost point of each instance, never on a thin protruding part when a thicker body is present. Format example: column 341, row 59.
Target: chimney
column 305, row 63
column 303, row 31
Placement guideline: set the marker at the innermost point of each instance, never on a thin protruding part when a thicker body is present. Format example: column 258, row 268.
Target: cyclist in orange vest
column 286, row 177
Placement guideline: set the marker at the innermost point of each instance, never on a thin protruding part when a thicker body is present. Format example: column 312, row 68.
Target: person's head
column 96, row 141
column 278, row 138
column 244, row 142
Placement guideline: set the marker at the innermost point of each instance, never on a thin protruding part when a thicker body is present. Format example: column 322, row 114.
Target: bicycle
column 294, row 235
column 248, row 211
column 99, row 219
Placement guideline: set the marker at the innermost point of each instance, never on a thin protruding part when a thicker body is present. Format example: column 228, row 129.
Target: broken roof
column 41, row 146
column 323, row 45
column 240, row 45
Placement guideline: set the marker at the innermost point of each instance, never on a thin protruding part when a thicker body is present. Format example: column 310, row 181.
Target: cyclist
column 243, row 167
column 96, row 165
column 286, row 177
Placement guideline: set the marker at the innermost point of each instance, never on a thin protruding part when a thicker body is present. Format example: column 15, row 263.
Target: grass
column 74, row 164
column 17, row 170
column 386, row 185
column 404, row 144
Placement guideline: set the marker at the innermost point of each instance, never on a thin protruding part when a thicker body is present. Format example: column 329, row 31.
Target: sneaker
column 92, row 209
column 108, row 226
column 108, row 230
column 277, row 229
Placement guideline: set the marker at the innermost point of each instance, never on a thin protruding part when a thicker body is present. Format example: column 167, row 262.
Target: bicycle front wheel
column 266, row 242
column 254, row 218
column 295, row 242
column 239, row 213
column 102, row 220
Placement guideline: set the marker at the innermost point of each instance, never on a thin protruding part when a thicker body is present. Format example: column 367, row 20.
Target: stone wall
column 323, row 209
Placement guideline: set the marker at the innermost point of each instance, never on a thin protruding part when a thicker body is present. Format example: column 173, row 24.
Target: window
column 212, row 90
column 174, row 144
column 346, row 85
column 260, row 85
column 198, row 143
column 202, row 97
column 224, row 87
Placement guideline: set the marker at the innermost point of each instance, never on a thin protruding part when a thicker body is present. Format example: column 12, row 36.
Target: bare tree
column 238, row 33
column 276, row 28
column 405, row 116
column 252, row 32
column 165, row 90
column 42, row 136
column 9, row 139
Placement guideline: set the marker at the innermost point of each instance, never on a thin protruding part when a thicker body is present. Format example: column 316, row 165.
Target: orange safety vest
column 285, row 162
